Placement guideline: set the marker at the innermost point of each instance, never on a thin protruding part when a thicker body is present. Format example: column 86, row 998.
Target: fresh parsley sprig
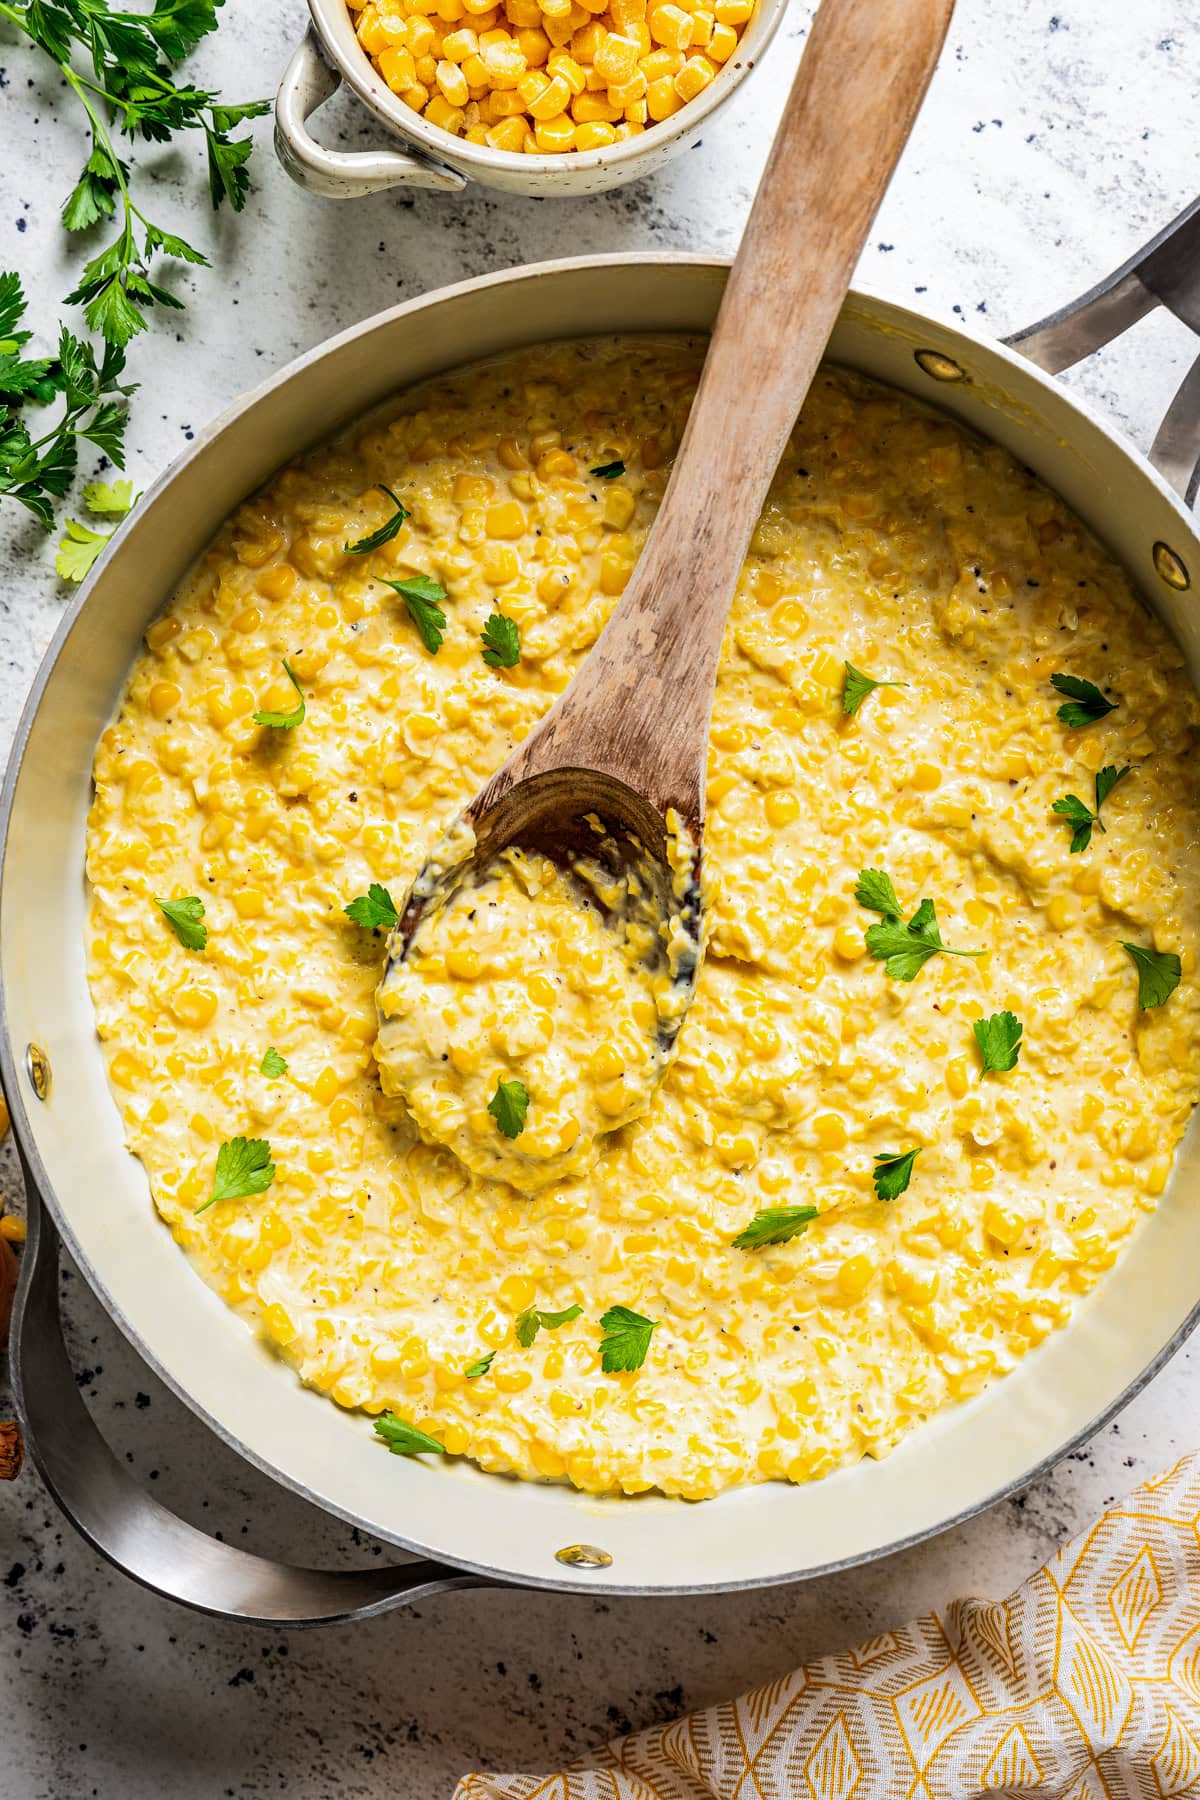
column 37, row 468
column 374, row 911
column 893, row 1172
column 856, row 686
column 1158, row 971
column 273, row 1065
column 626, row 1339
column 1085, row 703
column 999, row 1040
column 185, row 917
column 903, row 949
column 285, row 721
column 403, row 1439
column 474, row 1370
column 423, row 596
column 774, row 1225
column 509, row 1106
column 501, row 639
column 386, row 532
column 1082, row 817
column 244, row 1167
column 533, row 1320
column 81, row 545
column 129, row 89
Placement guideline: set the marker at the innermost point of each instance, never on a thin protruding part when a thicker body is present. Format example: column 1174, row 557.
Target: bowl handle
column 138, row 1535
column 1164, row 272
column 307, row 83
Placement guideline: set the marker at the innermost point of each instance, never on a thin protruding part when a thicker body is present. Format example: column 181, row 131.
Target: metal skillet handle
column 1164, row 272
column 137, row 1535
column 308, row 81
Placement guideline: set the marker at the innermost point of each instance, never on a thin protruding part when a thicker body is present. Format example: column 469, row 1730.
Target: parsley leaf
column 386, row 532
column 108, row 496
column 874, row 890
column 532, row 1320
column 857, row 686
column 893, row 1172
column 775, row 1225
column 78, row 549
column 129, row 89
column 284, row 721
column 1082, row 818
column 608, row 471
column 626, row 1339
column 403, row 1439
column 80, row 546
column 509, row 1106
column 375, row 910
column 421, row 594
column 1158, row 974
column 476, row 1369
column 999, row 1040
column 273, row 1065
column 903, row 949
column 37, row 471
column 501, row 639
column 184, row 917
column 244, row 1167
column 1085, row 705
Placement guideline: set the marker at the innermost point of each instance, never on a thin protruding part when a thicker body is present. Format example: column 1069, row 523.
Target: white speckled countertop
column 1059, row 134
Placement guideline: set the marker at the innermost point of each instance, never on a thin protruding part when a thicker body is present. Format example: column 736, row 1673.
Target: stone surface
column 1055, row 140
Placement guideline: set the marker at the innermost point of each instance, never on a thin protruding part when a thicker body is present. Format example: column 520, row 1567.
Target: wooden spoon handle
column 640, row 707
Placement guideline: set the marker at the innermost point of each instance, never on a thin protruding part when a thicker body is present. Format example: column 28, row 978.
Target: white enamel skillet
column 84, row 1187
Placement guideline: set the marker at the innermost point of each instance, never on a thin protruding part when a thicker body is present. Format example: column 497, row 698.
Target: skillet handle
column 1164, row 272
column 309, row 81
column 136, row 1534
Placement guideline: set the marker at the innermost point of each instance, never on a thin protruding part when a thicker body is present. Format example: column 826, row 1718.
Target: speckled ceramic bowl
column 330, row 54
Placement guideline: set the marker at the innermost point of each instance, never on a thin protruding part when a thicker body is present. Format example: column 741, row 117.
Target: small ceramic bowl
column 331, row 54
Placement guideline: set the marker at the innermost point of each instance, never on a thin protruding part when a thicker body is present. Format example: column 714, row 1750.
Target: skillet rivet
column 942, row 368
column 1172, row 568
column 583, row 1556
column 37, row 1067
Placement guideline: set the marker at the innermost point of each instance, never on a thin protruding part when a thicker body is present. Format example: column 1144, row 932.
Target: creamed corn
column 378, row 1264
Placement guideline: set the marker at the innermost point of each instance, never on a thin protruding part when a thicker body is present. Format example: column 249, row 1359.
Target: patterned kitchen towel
column 1084, row 1685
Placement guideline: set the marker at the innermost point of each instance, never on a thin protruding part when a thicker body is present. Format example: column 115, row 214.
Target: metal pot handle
column 137, row 1535
column 307, row 83
column 1165, row 272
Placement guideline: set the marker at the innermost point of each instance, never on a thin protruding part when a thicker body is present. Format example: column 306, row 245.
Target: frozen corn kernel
column 555, row 135
column 616, row 59
column 661, row 98
column 552, row 99
column 694, row 77
column 597, row 136
column 614, row 51
column 671, row 27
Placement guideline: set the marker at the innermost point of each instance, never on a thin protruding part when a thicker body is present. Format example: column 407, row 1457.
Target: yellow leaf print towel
column 1084, row 1685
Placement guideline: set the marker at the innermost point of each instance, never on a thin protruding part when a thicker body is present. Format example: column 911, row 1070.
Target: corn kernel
column 506, row 520
column 694, row 77
column 781, row 806
column 671, row 26
column 596, row 136
column 550, row 102
column 616, row 59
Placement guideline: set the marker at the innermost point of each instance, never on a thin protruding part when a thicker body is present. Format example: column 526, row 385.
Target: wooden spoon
column 628, row 740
